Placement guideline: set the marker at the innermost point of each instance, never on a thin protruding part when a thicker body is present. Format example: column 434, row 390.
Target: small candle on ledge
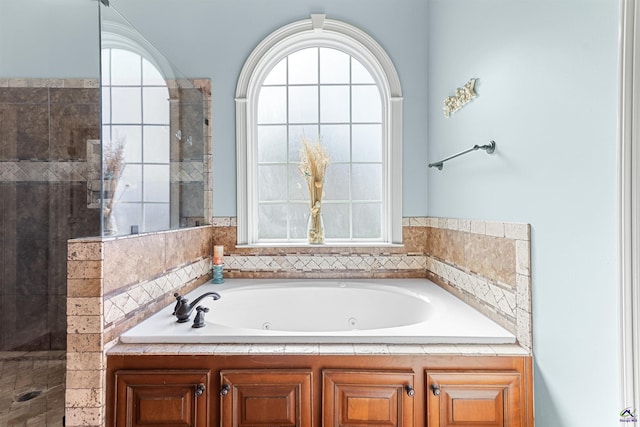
column 218, row 250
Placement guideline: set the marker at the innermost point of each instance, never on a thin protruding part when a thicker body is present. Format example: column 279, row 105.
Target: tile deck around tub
column 354, row 349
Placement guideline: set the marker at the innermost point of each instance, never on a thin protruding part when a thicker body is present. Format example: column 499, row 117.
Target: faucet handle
column 178, row 302
column 198, row 322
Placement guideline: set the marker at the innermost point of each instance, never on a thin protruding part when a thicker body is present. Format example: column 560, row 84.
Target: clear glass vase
column 315, row 229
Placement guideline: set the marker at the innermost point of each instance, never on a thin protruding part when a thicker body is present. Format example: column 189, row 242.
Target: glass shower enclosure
column 154, row 127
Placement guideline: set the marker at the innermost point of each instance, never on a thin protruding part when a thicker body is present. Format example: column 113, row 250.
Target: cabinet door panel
column 474, row 399
column 266, row 398
column 357, row 398
column 161, row 398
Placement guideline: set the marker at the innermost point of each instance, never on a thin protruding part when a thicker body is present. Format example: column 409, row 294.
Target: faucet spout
column 184, row 309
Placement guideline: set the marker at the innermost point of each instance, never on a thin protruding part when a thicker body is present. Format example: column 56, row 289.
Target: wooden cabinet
column 474, row 399
column 255, row 397
column 319, row 390
column 176, row 397
column 371, row 398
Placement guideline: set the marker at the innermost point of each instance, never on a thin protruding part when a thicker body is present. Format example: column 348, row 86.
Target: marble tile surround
column 406, row 261
column 44, row 125
column 495, row 289
column 488, row 265
column 485, row 263
column 113, row 284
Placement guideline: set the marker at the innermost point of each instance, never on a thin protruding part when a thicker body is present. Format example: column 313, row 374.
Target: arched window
column 319, row 80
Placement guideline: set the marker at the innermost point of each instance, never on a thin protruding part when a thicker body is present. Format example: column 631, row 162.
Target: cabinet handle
column 435, row 388
column 224, row 390
column 410, row 391
column 200, row 388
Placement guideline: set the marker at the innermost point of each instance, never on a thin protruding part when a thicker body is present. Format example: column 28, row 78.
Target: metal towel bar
column 489, row 148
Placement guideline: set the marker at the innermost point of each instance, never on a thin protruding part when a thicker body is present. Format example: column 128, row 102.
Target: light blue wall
column 213, row 39
column 49, row 39
column 547, row 94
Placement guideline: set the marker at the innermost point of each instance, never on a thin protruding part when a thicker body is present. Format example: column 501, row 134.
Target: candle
column 218, row 250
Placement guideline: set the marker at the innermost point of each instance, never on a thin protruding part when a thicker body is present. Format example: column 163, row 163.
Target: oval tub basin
column 415, row 311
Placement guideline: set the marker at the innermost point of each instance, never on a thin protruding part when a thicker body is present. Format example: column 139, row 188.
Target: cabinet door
column 371, row 398
column 255, row 397
column 162, row 397
column 474, row 399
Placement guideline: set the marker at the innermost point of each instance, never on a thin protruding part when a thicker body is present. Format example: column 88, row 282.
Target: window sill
column 328, row 245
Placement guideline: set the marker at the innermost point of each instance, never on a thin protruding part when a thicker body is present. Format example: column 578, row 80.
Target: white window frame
column 317, row 32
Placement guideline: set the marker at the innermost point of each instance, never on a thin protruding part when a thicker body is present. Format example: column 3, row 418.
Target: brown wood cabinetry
column 257, row 397
column 372, row 398
column 321, row 390
column 474, row 399
column 176, row 397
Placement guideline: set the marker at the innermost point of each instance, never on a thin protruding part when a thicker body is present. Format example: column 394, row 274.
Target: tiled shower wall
column 44, row 128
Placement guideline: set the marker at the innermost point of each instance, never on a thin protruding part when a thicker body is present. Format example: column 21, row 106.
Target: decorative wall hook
column 463, row 95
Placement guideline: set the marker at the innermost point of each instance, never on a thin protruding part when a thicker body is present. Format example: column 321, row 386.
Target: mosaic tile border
column 120, row 308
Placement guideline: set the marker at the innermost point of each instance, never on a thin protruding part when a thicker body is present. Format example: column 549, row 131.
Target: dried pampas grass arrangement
column 313, row 165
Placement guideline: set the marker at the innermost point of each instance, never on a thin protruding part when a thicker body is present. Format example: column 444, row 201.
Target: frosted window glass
column 272, row 105
column 105, row 105
column 367, row 143
column 156, row 217
column 150, row 75
column 366, row 182
column 125, row 68
column 130, row 185
column 272, row 144
column 359, row 74
column 278, row 74
column 156, row 144
column 272, row 182
column 336, row 220
column 366, row 220
column 298, row 187
column 336, row 185
column 155, row 102
column 105, row 72
column 156, row 183
column 336, row 139
column 272, row 221
column 303, row 104
column 296, row 133
column 131, row 138
column 367, row 106
column 298, row 219
column 303, row 66
column 334, row 66
column 126, row 105
column 334, row 104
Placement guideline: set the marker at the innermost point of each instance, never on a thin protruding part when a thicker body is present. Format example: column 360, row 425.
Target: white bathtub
column 389, row 311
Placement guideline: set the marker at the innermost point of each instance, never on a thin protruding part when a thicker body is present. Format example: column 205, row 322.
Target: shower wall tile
column 32, row 131
column 42, row 202
column 72, row 125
